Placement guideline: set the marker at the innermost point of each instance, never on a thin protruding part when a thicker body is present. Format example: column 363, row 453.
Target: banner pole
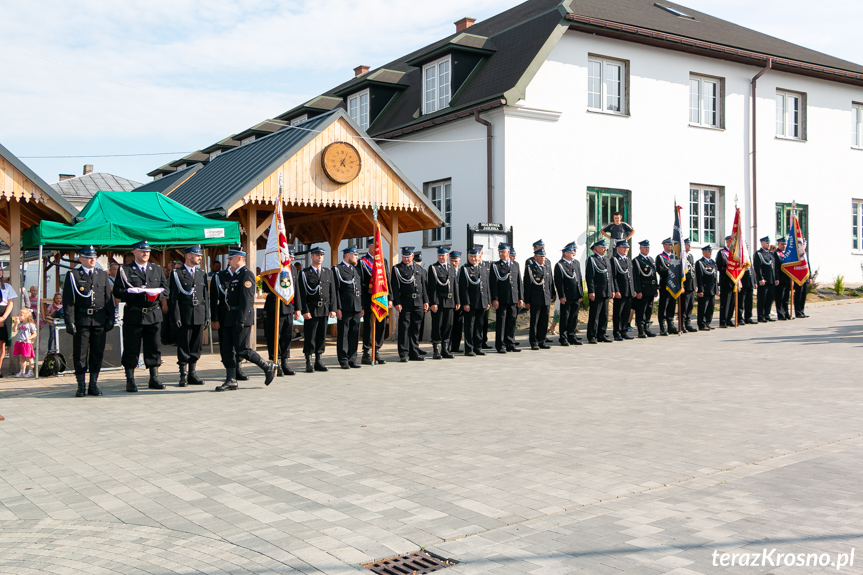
column 793, row 313
column 373, row 319
column 679, row 315
column 276, row 357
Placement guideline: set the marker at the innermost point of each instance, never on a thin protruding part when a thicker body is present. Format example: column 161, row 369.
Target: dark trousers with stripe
column 136, row 336
column 348, row 337
column 410, row 319
column 190, row 343
column 569, row 320
column 643, row 309
column 783, row 294
column 705, row 310
column 766, row 294
column 597, row 320
column 240, row 346
column 88, row 348
column 457, row 330
column 688, row 304
column 620, row 315
column 315, row 334
column 504, row 331
column 538, row 325
column 726, row 306
column 473, row 329
column 442, row 325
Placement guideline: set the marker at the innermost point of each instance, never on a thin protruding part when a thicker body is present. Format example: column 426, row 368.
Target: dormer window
column 299, row 120
column 248, row 140
column 437, row 78
column 358, row 108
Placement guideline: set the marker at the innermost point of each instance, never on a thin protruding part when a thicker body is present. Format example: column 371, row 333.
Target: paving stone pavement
column 640, row 457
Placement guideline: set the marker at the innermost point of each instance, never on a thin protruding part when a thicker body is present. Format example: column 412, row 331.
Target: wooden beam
column 394, row 259
column 385, row 232
column 251, row 224
column 319, row 217
column 262, row 228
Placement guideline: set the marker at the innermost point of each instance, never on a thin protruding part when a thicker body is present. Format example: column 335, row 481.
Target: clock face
column 341, row 162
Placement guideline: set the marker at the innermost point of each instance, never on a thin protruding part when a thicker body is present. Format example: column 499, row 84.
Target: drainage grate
column 415, row 563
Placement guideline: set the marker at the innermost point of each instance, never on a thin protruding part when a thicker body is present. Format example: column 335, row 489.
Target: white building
column 599, row 105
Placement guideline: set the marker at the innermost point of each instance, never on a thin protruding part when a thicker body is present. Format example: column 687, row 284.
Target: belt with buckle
column 320, row 303
column 233, row 308
column 414, row 296
column 91, row 310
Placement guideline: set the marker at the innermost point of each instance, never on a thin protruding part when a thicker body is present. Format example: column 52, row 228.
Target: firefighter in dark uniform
column 411, row 301
column 142, row 316
column 443, row 297
column 764, row 263
column 89, row 312
column 349, row 308
column 288, row 312
column 690, row 287
column 475, row 299
column 800, row 292
column 726, row 286
column 600, row 289
column 646, row 286
column 486, row 265
column 219, row 312
column 666, row 302
column 624, row 290
column 367, row 264
column 705, row 277
column 506, row 298
column 539, row 293
column 240, row 299
column 568, row 285
column 418, row 265
column 189, row 310
column 458, row 314
column 783, row 287
column 319, row 303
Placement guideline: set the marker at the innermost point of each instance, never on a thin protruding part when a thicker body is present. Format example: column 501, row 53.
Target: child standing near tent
column 25, row 334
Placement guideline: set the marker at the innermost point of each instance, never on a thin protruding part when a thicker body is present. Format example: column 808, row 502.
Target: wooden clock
column 341, row 162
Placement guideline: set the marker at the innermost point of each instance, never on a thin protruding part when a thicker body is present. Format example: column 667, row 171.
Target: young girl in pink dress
column 25, row 334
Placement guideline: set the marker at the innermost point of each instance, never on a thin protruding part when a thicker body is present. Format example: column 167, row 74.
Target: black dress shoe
column 269, row 372
column 380, row 360
column 366, row 360
column 564, row 343
column 403, row 359
column 479, row 352
column 353, row 365
column 627, row 336
column 320, row 366
column 534, row 347
column 605, row 339
column 514, row 350
column 344, row 366
column 722, row 326
column 591, row 340
column 469, row 354
column 485, row 345
column 423, row 352
column 501, row 351
column 770, row 319
column 750, row 321
column 416, row 358
column 577, row 342
column 227, row 387
column 618, row 338
column 544, row 346
column 241, row 375
column 156, row 385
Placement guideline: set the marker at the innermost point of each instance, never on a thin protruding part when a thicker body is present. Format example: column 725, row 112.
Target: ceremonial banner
column 276, row 271
column 379, row 287
column 677, row 260
column 738, row 259
column 794, row 264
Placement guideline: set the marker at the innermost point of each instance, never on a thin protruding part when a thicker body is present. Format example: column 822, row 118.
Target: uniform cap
column 87, row 252
column 765, row 239
column 442, row 251
column 512, row 251
column 349, row 250
column 707, row 248
column 644, row 243
column 418, row 256
column 454, row 255
column 474, row 251
column 317, row 250
column 236, row 251
column 407, row 251
column 621, row 243
column 780, row 241
column 727, row 238
column 502, row 246
column 196, row 249
column 143, row 246
column 478, row 247
column 667, row 241
column 538, row 244
column 598, row 244
column 687, row 241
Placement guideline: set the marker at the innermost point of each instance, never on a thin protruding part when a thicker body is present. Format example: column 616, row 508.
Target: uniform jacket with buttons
column 705, row 275
column 318, row 291
column 505, row 282
column 218, row 288
column 442, row 286
column 598, row 277
column 407, row 286
column 764, row 264
column 473, row 287
column 568, row 280
column 240, row 299
column 690, row 283
column 129, row 276
column 644, row 276
column 189, row 309
column 348, row 284
column 538, row 284
column 621, row 275
column 76, row 302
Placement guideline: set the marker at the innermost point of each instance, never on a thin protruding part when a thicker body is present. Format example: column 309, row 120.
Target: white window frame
column 602, row 88
column 358, row 108
column 857, row 130
column 299, row 119
column 857, row 226
column 703, row 104
column 785, row 115
column 248, row 140
column 699, row 222
column 441, row 236
column 437, row 85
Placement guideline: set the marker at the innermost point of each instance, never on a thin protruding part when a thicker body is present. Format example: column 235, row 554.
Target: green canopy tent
column 121, row 219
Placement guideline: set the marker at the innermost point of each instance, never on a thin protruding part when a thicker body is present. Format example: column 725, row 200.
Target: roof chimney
column 360, row 70
column 64, row 177
column 464, row 24
column 88, row 169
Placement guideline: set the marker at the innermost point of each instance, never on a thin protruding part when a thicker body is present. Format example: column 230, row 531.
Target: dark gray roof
column 231, row 174
column 86, row 186
column 518, row 40
column 42, row 185
column 167, row 184
column 645, row 14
